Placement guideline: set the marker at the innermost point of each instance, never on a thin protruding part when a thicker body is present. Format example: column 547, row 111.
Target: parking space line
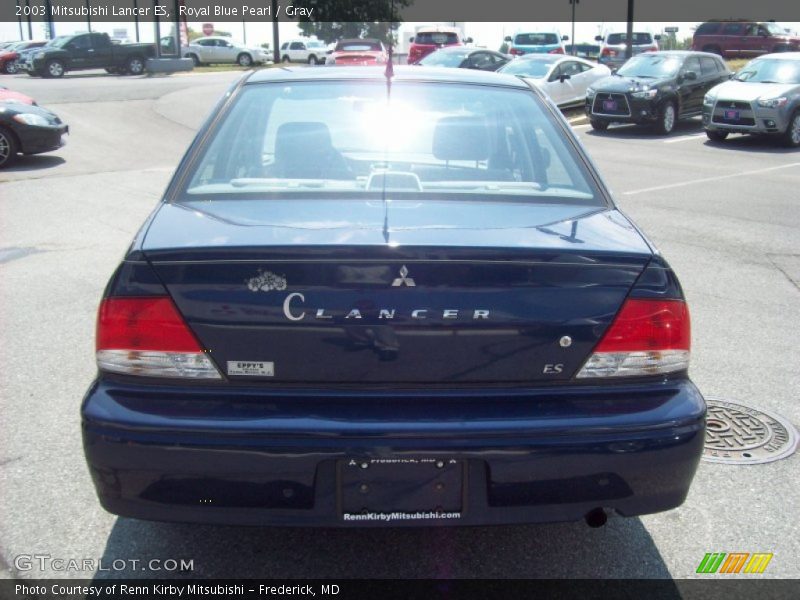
column 683, row 138
column 584, row 126
column 709, row 179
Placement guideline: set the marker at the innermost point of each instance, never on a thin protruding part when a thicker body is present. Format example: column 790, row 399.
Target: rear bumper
column 256, row 458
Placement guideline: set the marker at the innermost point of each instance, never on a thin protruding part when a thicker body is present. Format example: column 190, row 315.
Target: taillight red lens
column 648, row 325
column 515, row 52
column 557, row 51
column 148, row 323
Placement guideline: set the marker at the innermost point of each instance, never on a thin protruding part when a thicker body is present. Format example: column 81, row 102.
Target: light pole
column 572, row 39
column 629, row 32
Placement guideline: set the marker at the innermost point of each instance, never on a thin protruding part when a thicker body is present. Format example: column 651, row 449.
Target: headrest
column 461, row 138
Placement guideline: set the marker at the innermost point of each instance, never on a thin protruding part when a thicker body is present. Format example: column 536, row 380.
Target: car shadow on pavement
column 753, row 143
column 621, row 549
column 33, row 163
column 633, row 132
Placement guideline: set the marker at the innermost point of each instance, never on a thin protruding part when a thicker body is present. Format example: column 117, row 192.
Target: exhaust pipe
column 596, row 518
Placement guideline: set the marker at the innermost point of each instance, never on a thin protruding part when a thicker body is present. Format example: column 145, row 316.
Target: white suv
column 307, row 51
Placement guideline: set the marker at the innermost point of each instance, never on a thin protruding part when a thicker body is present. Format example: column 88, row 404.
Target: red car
column 429, row 39
column 9, row 55
column 358, row 52
column 746, row 39
column 6, row 95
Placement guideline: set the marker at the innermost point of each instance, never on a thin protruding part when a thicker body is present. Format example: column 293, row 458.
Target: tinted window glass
column 621, row 38
column 692, row 64
column 440, row 38
column 733, row 29
column 707, row 29
column 429, row 141
column 297, row 46
column 536, row 39
column 82, row 42
column 709, row 66
column 359, row 46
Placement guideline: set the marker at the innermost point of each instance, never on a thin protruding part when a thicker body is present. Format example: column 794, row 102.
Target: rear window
column 536, row 39
column 441, row 58
column 615, row 39
column 707, row 29
column 360, row 46
column 426, row 141
column 439, row 38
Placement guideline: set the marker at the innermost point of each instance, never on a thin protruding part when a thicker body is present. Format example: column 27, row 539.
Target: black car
column 28, row 129
column 655, row 88
column 463, row 57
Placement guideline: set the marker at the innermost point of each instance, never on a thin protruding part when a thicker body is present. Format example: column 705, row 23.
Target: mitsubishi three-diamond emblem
column 404, row 279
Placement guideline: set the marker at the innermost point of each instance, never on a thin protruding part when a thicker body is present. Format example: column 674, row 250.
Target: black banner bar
column 709, row 588
column 667, row 11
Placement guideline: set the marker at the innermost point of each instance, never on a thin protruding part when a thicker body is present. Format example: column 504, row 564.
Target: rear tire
column 195, row 60
column 286, row 59
column 135, row 66
column 791, row 138
column 54, row 69
column 8, row 147
column 716, row 136
column 11, row 67
column 312, row 60
column 667, row 117
column 598, row 125
column 244, row 60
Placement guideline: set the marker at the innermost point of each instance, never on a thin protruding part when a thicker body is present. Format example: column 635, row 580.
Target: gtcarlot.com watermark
column 47, row 562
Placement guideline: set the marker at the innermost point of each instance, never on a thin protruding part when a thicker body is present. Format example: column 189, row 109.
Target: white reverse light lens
column 149, row 363
column 631, row 364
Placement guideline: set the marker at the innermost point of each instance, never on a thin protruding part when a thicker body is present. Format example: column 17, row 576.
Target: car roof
column 401, row 73
column 438, row 29
column 776, row 55
column 356, row 40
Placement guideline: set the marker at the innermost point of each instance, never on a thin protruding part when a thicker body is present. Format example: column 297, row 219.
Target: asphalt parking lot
column 727, row 217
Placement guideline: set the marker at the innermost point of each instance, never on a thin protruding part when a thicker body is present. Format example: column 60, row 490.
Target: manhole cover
column 738, row 434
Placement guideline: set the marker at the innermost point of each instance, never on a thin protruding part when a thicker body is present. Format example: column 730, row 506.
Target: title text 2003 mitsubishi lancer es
column 407, row 299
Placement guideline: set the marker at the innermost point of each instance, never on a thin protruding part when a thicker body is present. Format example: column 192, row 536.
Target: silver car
column 564, row 78
column 613, row 46
column 762, row 98
column 218, row 49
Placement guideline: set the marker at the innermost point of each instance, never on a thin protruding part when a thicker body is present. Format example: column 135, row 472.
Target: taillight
column 557, row 51
column 516, row 52
column 651, row 49
column 648, row 337
column 146, row 336
column 608, row 52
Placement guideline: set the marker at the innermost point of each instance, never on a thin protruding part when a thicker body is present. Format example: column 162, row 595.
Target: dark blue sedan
column 408, row 301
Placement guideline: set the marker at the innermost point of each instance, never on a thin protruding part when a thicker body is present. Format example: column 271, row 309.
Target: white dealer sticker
column 245, row 367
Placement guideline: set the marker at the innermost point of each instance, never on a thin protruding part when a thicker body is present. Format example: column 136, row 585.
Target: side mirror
column 690, row 75
column 598, row 38
column 507, row 39
column 657, row 38
column 468, row 40
column 563, row 77
column 564, row 38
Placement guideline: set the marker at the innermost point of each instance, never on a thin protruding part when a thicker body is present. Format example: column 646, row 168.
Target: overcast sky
column 485, row 34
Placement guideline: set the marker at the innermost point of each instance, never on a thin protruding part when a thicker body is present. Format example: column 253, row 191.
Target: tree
column 384, row 16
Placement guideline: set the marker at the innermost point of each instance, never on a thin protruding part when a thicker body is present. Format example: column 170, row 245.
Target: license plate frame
column 610, row 105
column 731, row 115
column 410, row 487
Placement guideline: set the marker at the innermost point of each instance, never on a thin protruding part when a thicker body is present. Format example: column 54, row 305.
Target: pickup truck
column 88, row 51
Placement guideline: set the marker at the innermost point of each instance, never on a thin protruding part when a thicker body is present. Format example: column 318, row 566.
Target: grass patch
column 734, row 64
